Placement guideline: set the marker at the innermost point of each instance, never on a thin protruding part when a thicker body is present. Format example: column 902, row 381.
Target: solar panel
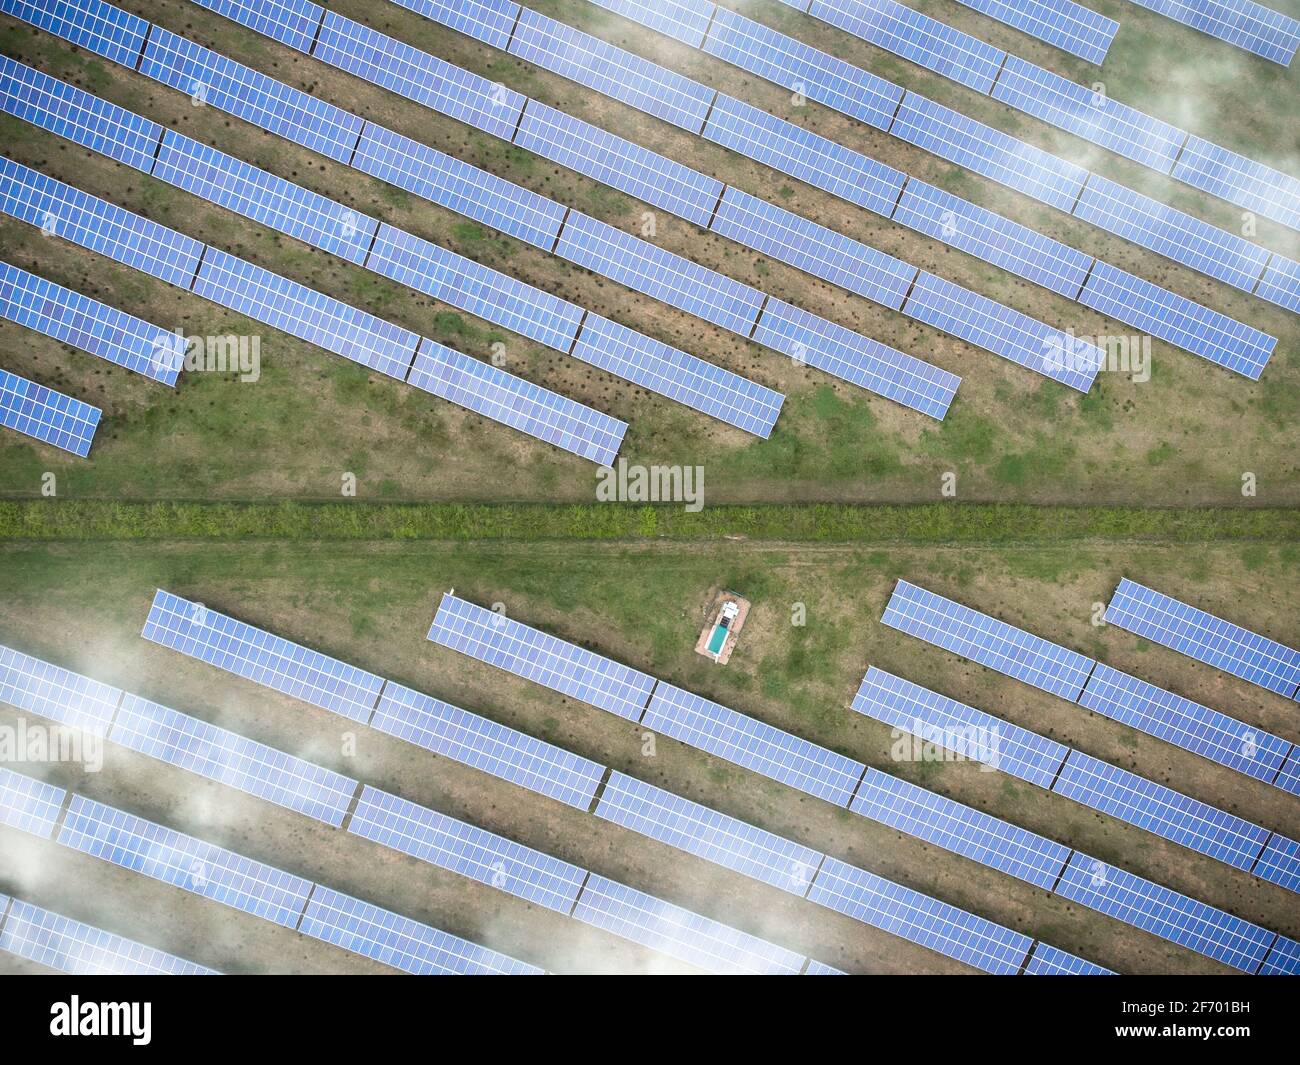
column 1279, row 863
column 619, row 74
column 618, row 163
column 1185, row 724
column 76, row 115
column 1209, row 334
column 659, row 274
column 967, row 732
column 466, row 850
column 510, row 645
column 679, row 933
column 184, row 861
column 753, row 745
column 796, row 66
column 291, row 22
column 802, row 155
column 867, row 363
column 1069, row 26
column 1280, row 283
column 1239, row 180
column 59, row 942
column 28, row 804
column 817, row 968
column 1170, row 623
column 95, row 327
column 1165, row 913
column 683, row 20
column 814, row 249
column 708, row 834
column 228, row 86
column 520, row 404
column 53, row 692
column 919, row 919
column 1248, row 25
column 992, row 238
column 233, row 760
column 960, row 829
column 488, row 746
column 1283, row 959
column 986, row 640
column 95, row 224
column 1163, row 811
column 1051, row 961
column 684, row 378
column 1288, row 778
column 489, row 21
column 399, row 941
column 983, row 150
column 200, row 632
column 305, row 313
column 97, row 27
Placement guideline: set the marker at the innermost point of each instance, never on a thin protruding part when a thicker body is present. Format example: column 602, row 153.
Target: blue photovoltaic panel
column 861, row 361
column 792, row 239
column 87, row 324
column 67, row 212
column 984, row 150
column 56, row 693
column 1288, row 779
column 1281, row 283
column 619, row 163
column 510, row 645
column 1248, row 25
column 222, row 179
column 752, row 744
column 240, row 91
column 28, row 804
column 184, row 861
column 89, row 24
column 1003, row 331
column 804, row 156
column 1279, row 863
column 400, row 942
column 1171, row 233
column 986, row 640
column 688, row 937
column 305, row 313
column 1163, row 811
column 419, row 76
column 666, row 371
column 1069, row 26
column 480, row 290
column 195, row 630
column 917, row 37
column 601, row 66
column 77, row 115
column 232, row 759
column 960, row 829
column 1239, row 180
column 1170, row 623
column 957, row 727
column 489, row 21
column 291, row 22
column 465, row 189
column 997, row 240
column 817, row 968
column 659, row 274
column 1094, row 116
column 1283, row 959
column 46, row 415
column 919, row 919
column 797, row 66
column 486, row 745
column 707, row 834
column 1186, row 724
column 683, row 20
column 1051, row 961
column 466, row 850
column 1209, row 334
column 1165, row 913
column 520, row 404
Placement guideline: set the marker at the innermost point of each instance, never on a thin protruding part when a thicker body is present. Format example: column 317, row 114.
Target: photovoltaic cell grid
column 291, row 22
column 1288, row 779
column 817, row 968
column 1239, row 180
column 1170, row 623
column 507, row 644
column 683, row 20
column 1280, row 863
column 195, row 630
column 55, row 693
column 1283, row 959
column 466, row 850
column 679, row 933
column 70, row 946
column 232, row 759
column 46, row 415
column 1051, row 961
column 1069, row 26
column 1281, row 283
column 29, row 805
column 1248, row 25
column 708, row 834
column 986, row 640
column 98, row 28
column 489, row 21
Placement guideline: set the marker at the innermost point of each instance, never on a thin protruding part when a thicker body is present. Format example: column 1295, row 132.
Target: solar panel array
column 29, row 805
column 56, row 693
column 1248, row 25
column 47, row 415
column 1231, row 648
column 1069, row 26
column 1048, row 960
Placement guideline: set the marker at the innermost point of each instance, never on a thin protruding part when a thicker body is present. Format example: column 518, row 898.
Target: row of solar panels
column 1246, row 24
column 277, row 663
column 46, row 415
column 1069, row 26
column 1097, row 784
